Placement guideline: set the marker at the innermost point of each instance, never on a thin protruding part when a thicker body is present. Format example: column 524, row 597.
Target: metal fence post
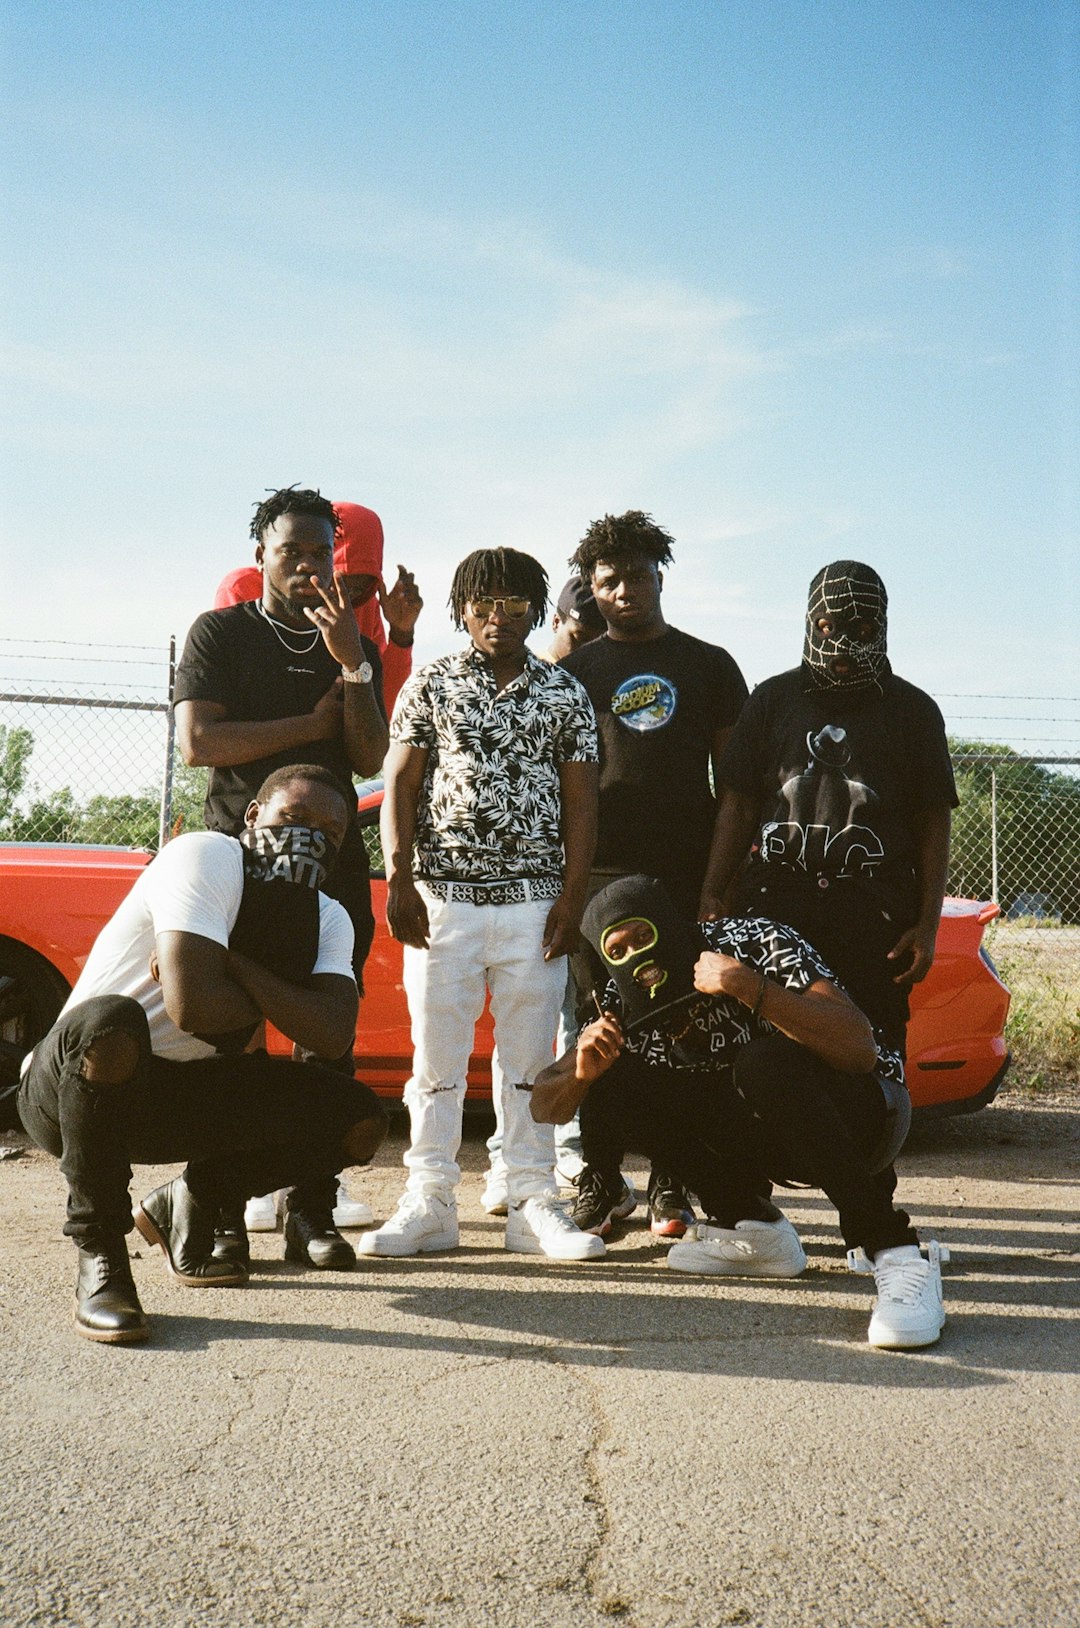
column 165, row 815
column 993, row 837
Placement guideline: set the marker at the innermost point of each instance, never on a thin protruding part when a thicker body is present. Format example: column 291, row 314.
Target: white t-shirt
column 194, row 885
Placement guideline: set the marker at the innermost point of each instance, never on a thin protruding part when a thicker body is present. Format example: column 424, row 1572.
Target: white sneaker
column 421, row 1224
column 351, row 1212
column 909, row 1310
column 261, row 1214
column 541, row 1226
column 494, row 1198
column 767, row 1249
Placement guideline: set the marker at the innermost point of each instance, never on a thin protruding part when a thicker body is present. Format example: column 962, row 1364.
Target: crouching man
column 727, row 1052
column 146, row 1062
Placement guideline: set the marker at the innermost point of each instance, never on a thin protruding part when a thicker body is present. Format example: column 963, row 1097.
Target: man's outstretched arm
column 320, row 1017
column 914, row 950
column 211, row 990
column 561, row 1087
column 406, row 912
column 736, row 822
column 821, row 1017
column 578, row 789
column 209, row 739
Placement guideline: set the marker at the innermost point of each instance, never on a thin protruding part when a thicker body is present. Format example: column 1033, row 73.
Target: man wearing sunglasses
column 727, row 1051
column 488, row 829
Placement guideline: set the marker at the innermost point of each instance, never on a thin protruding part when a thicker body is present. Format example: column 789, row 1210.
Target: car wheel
column 31, row 994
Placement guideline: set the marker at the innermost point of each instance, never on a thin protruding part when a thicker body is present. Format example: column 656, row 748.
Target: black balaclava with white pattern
column 847, row 592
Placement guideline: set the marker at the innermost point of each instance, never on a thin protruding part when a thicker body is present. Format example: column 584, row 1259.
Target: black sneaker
column 316, row 1241
column 670, row 1209
column 602, row 1198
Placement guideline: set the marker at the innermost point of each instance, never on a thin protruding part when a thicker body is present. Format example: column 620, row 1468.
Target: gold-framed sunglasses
column 515, row 606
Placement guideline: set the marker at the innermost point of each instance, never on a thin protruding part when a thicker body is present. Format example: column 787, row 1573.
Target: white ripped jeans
column 474, row 948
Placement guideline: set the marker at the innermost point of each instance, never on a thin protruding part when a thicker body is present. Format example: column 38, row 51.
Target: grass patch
column 1043, row 1031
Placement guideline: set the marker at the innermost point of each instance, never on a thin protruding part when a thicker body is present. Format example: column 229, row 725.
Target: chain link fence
column 82, row 762
column 1016, row 840
column 86, row 744
column 92, row 759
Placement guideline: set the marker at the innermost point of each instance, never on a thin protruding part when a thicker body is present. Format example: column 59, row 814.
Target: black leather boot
column 231, row 1239
column 106, row 1304
column 313, row 1238
column 184, row 1229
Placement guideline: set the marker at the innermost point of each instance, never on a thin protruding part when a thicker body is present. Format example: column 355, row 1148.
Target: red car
column 54, row 900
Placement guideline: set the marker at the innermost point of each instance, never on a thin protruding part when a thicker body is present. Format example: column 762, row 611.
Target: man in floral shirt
column 488, row 830
column 727, row 1050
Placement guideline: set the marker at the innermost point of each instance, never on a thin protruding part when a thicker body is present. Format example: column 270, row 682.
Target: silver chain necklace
column 293, row 649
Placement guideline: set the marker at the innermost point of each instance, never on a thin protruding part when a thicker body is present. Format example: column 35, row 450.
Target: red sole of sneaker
column 668, row 1229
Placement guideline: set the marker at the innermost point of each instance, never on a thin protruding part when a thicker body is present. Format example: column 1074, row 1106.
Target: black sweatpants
column 779, row 1115
column 246, row 1124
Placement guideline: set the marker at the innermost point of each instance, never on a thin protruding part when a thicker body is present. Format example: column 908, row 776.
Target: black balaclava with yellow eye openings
column 848, row 593
column 659, row 976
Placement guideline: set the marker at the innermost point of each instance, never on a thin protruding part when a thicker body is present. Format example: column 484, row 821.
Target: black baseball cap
column 576, row 604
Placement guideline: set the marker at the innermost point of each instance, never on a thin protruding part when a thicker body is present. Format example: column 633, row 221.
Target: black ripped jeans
column 780, row 1114
column 246, row 1124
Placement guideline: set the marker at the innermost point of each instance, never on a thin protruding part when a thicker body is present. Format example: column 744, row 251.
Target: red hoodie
column 358, row 551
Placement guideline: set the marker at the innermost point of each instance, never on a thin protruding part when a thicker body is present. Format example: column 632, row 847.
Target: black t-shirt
column 840, row 780
column 658, row 707
column 235, row 658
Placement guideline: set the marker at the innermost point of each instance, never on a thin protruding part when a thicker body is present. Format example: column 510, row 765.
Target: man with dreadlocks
column 837, row 784
column 665, row 705
column 358, row 555
column 488, row 828
column 279, row 680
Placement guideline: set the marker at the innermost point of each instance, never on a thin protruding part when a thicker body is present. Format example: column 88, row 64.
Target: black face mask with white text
column 290, row 853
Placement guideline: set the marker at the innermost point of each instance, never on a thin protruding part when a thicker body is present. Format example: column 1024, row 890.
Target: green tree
column 16, row 748
column 188, row 797
column 46, row 819
column 129, row 820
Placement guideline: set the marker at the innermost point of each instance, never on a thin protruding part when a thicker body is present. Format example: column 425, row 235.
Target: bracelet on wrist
column 402, row 644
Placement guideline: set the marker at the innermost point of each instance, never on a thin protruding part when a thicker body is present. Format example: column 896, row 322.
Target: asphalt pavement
column 485, row 1439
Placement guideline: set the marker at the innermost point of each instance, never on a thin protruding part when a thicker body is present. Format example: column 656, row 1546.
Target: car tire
column 31, row 994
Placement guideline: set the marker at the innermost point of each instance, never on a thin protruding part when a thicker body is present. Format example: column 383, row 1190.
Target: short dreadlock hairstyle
column 291, row 500
column 491, row 569
column 617, row 536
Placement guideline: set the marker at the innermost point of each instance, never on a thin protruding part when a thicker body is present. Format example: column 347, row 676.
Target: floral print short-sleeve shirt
column 490, row 806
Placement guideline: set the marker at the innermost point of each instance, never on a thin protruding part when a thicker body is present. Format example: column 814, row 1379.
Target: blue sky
column 798, row 278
